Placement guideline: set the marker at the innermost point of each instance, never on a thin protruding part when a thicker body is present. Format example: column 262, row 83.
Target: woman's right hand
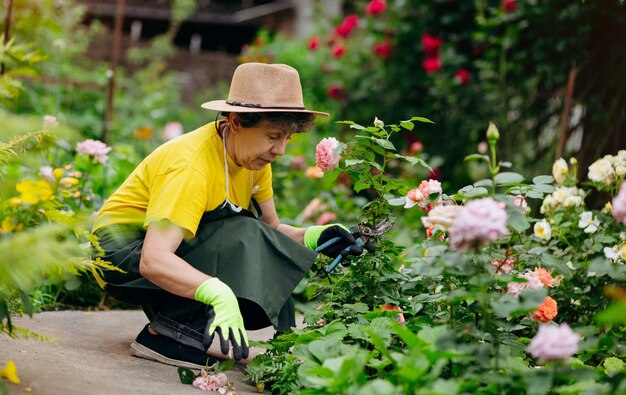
column 224, row 318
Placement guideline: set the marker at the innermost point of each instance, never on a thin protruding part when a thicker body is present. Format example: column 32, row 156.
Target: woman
column 189, row 249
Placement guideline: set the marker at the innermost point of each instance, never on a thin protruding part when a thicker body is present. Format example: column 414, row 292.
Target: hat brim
column 221, row 105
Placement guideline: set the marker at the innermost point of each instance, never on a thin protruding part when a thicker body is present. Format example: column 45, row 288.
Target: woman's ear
column 234, row 122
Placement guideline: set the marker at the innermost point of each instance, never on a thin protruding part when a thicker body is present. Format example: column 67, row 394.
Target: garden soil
column 92, row 356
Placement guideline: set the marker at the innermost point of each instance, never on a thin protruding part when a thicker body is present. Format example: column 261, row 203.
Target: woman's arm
column 160, row 265
column 270, row 217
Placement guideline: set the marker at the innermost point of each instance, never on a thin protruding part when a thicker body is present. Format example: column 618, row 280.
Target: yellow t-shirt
column 180, row 181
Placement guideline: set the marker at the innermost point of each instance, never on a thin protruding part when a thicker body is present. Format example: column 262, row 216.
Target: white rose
column 559, row 170
column 602, row 171
column 542, row 230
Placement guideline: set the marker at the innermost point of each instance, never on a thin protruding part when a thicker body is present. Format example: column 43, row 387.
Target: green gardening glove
column 315, row 236
column 224, row 317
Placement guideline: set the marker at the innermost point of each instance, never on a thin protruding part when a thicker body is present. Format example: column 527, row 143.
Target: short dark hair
column 289, row 121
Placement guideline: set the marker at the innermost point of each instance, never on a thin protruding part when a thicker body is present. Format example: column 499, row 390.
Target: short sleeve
column 179, row 196
column 264, row 183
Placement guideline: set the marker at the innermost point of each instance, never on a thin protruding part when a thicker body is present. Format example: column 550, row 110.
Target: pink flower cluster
column 619, row 205
column 420, row 195
column 94, row 148
column 533, row 281
column 172, row 130
column 553, row 343
column 478, row 223
column 328, row 153
column 211, row 382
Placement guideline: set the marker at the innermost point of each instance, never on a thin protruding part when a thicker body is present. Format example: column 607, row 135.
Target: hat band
column 254, row 105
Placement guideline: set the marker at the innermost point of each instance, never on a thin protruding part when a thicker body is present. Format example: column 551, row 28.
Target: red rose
column 508, row 5
column 336, row 92
column 339, row 50
column 314, row 42
column 431, row 65
column 348, row 24
column 462, row 77
column 376, row 7
column 382, row 49
column 431, row 45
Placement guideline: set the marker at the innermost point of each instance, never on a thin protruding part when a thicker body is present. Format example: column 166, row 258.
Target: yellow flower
column 144, row 133
column 33, row 192
column 7, row 225
column 623, row 251
column 67, row 182
column 57, row 173
column 10, row 372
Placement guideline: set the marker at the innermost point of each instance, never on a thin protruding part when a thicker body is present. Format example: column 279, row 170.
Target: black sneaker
column 165, row 350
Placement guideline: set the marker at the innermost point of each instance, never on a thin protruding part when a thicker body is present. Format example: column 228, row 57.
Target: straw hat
column 261, row 87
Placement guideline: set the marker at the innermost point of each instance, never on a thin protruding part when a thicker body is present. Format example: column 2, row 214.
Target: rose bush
column 489, row 304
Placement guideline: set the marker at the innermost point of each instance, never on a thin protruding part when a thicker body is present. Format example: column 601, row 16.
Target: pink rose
column 553, row 343
column 172, row 130
column 533, row 281
column 478, row 223
column 503, row 266
column 326, row 217
column 327, row 153
column 619, row 205
column 376, row 7
column 94, row 148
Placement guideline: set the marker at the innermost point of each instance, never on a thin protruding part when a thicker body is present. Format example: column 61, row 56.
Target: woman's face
column 256, row 147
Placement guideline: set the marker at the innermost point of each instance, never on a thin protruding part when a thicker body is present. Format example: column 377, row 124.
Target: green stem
column 83, row 186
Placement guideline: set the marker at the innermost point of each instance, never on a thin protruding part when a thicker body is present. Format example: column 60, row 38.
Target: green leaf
column 386, row 144
column 506, row 178
column 361, row 185
column 420, row 119
column 407, row 125
column 186, row 376
column 614, row 314
column 518, row 221
column 544, row 188
column 350, row 162
column 477, row 157
column 580, row 387
column 543, row 180
column 483, row 183
column 401, row 201
column 379, row 387
column 357, row 127
column 28, row 306
column 613, row 365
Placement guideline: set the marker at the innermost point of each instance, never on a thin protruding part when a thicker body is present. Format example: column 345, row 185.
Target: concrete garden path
column 93, row 357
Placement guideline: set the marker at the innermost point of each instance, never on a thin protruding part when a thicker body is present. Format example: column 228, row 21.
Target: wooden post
column 567, row 110
column 115, row 56
column 7, row 28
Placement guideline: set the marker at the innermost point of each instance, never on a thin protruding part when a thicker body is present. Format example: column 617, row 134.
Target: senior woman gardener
column 182, row 229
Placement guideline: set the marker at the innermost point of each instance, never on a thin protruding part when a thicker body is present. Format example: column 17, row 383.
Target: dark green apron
column 260, row 264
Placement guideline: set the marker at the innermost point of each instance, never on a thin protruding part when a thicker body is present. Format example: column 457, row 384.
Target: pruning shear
column 361, row 233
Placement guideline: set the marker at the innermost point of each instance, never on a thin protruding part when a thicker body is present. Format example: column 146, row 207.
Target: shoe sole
column 144, row 352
